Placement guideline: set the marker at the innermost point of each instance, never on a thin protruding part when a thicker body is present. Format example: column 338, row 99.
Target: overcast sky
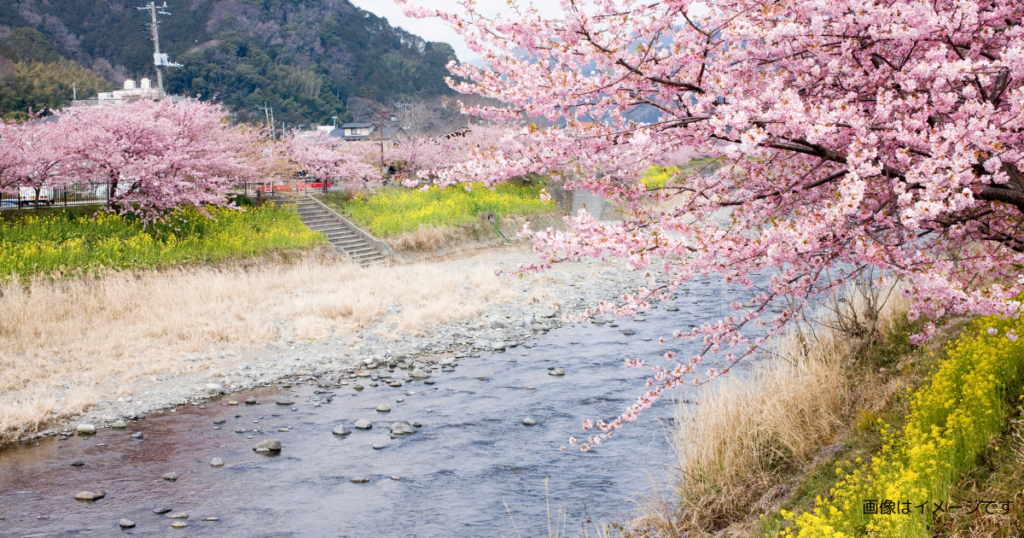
column 435, row 30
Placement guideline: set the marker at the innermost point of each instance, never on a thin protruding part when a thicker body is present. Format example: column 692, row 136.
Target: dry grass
column 89, row 339
column 748, row 434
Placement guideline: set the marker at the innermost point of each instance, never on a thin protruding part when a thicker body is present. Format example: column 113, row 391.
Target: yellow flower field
column 62, row 242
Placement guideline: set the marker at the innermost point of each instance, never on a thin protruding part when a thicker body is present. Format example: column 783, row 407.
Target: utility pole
column 74, row 91
column 159, row 60
column 382, row 145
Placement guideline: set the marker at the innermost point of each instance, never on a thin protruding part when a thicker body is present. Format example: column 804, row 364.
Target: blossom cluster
column 848, row 138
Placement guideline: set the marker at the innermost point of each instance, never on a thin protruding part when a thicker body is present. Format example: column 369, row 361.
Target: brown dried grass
column 747, row 434
column 91, row 338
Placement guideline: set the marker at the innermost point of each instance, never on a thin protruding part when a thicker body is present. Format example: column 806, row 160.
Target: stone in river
column 417, row 424
column 401, row 428
column 383, row 408
column 557, row 372
column 358, row 387
column 119, row 425
column 628, row 332
column 341, row 431
column 85, row 429
column 498, row 346
column 672, row 308
column 363, row 424
column 171, row 476
column 78, row 463
column 359, row 480
column 639, row 318
column 137, row 435
column 216, row 462
column 419, row 374
column 396, row 478
column 90, row 496
column 285, row 401
column 126, row 523
column 529, row 422
column 270, row 445
column 214, row 388
column 250, row 401
column 219, row 421
column 161, row 511
column 211, row 518
column 428, row 382
column 239, row 430
column 282, row 430
column 178, row 515
column 179, row 525
column 546, row 313
column 378, row 447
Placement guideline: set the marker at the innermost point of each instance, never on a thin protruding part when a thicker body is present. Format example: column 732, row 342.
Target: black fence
column 69, row 195
column 99, row 193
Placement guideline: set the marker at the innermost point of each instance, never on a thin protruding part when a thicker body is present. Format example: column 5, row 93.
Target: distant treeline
column 304, row 58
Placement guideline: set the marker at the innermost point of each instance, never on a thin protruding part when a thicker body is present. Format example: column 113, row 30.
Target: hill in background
column 304, row 58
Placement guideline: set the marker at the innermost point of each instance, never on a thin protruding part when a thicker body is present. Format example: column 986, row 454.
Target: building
column 130, row 92
column 355, row 132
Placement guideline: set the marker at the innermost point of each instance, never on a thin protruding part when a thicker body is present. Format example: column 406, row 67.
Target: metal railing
column 24, row 197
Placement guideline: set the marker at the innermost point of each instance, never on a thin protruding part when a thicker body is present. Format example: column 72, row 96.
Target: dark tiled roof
column 356, row 125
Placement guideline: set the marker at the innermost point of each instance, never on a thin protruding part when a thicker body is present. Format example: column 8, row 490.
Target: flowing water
column 472, row 469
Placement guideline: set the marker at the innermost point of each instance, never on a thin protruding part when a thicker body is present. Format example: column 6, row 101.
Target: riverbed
column 470, row 468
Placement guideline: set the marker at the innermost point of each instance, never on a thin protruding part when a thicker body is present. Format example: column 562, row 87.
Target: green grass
column 394, row 211
column 77, row 239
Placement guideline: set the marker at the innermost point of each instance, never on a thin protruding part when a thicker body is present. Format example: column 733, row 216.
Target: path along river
column 469, row 458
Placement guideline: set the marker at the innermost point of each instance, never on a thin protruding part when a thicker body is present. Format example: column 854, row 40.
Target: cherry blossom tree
column 156, row 157
column 853, row 137
column 444, row 155
column 331, row 159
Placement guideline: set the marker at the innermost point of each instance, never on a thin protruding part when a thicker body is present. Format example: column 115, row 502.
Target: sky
column 434, row 29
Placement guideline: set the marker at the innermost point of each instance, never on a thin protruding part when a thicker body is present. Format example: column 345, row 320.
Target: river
column 471, row 468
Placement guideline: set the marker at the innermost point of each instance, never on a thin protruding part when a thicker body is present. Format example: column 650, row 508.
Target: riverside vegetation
column 423, row 219
column 64, row 241
column 833, row 420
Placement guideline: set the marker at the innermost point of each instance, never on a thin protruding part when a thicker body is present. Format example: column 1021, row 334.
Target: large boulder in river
column 401, row 428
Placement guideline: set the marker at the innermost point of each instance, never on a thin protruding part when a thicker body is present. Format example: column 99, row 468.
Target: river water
column 466, row 468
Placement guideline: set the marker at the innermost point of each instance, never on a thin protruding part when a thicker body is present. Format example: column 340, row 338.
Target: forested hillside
column 304, row 58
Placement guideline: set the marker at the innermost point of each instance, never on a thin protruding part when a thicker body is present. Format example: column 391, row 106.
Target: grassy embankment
column 84, row 239
column 797, row 449
column 415, row 220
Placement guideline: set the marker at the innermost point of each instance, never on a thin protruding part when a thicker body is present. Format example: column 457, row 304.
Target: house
column 360, row 131
column 354, row 132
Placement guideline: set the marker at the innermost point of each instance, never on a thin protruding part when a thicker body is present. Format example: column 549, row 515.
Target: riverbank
column 136, row 343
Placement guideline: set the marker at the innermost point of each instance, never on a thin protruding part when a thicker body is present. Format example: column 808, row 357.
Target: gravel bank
column 356, row 357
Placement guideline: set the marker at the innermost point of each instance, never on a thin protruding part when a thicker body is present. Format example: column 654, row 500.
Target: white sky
column 434, row 29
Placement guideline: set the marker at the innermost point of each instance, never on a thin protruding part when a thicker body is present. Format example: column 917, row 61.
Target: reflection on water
column 452, row 477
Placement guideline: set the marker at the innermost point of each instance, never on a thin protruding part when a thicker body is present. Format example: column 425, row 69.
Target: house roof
column 389, row 133
column 356, row 125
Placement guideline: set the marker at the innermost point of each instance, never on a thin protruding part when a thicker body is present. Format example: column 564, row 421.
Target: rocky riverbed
column 460, row 443
column 369, row 355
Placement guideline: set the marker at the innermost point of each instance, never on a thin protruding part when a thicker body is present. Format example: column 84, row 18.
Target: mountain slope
column 304, row 58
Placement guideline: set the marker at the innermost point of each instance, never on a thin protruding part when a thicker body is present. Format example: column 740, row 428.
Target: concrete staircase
column 347, row 238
